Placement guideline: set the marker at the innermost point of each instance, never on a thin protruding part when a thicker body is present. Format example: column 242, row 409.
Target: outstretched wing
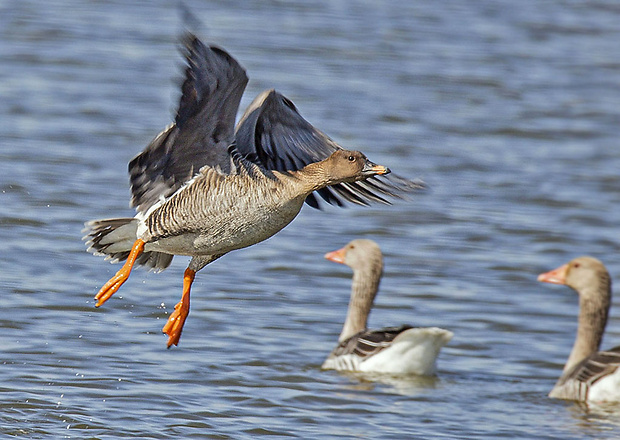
column 274, row 135
column 369, row 342
column 203, row 128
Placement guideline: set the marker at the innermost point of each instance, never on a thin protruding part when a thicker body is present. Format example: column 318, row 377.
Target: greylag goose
column 395, row 350
column 202, row 188
column 589, row 374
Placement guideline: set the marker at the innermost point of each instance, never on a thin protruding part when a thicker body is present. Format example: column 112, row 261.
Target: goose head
column 581, row 274
column 359, row 254
column 351, row 166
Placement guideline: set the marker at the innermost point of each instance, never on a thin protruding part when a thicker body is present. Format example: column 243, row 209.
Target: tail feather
column 113, row 238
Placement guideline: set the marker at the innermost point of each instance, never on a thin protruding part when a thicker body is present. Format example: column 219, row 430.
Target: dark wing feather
column 274, row 135
column 369, row 342
column 596, row 366
column 203, row 128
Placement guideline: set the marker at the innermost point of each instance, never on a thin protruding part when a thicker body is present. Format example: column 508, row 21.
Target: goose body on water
column 589, row 374
column 202, row 188
column 394, row 350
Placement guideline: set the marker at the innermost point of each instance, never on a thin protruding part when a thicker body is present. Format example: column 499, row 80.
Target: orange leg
column 121, row 276
column 174, row 326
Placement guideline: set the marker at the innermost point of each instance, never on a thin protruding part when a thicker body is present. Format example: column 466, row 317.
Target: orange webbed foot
column 121, row 276
column 174, row 326
column 111, row 287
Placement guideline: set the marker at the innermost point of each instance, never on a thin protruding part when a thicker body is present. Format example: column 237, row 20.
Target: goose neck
column 594, row 305
column 363, row 291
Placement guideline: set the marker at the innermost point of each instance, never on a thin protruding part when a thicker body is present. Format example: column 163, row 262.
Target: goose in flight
column 203, row 188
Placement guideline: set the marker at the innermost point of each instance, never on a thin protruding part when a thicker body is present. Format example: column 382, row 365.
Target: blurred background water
column 509, row 111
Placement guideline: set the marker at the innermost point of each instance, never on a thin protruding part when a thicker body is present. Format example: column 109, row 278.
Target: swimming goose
column 202, row 189
column 589, row 374
column 395, row 350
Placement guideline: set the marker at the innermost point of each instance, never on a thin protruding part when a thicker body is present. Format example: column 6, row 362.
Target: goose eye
column 576, row 265
column 351, row 158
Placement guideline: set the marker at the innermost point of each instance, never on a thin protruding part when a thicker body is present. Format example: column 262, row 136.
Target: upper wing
column 597, row 366
column 577, row 382
column 273, row 134
column 203, row 128
column 369, row 342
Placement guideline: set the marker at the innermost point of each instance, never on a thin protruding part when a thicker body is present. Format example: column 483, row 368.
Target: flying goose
column 202, row 188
